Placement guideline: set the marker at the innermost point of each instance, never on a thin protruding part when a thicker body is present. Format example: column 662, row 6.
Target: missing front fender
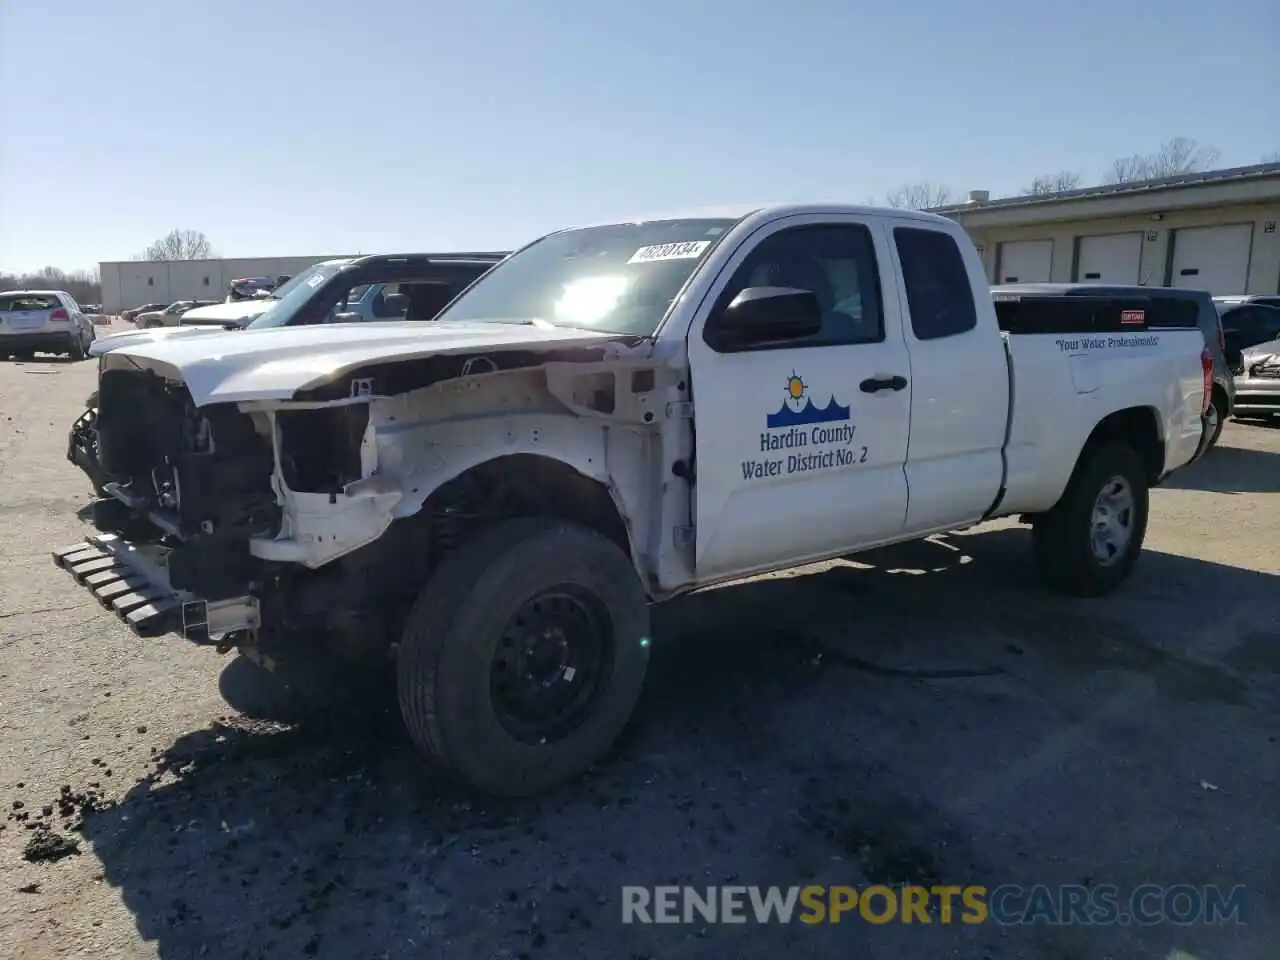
column 321, row 450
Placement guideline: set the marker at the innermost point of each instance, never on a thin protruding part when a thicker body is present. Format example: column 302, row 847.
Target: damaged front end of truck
column 285, row 504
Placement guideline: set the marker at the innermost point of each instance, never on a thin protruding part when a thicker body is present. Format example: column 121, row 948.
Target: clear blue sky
column 286, row 127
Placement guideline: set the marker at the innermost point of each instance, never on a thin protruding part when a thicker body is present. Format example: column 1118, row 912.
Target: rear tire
column 77, row 352
column 1087, row 544
column 1218, row 408
column 474, row 656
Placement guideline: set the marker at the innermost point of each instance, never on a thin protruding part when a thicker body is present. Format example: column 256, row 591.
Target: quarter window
column 938, row 293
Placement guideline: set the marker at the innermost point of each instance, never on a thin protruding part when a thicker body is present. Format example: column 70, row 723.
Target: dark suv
column 402, row 286
column 1224, row 389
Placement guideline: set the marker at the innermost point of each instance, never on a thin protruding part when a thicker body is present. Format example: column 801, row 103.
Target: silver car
column 43, row 321
column 1258, row 382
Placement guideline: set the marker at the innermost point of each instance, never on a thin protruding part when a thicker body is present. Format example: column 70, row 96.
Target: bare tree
column 180, row 245
column 1272, row 157
column 1126, row 170
column 1052, row 183
column 1176, row 156
column 83, row 285
column 921, row 195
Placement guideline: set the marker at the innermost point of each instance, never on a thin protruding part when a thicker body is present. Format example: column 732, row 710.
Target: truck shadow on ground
column 1230, row 470
column 813, row 728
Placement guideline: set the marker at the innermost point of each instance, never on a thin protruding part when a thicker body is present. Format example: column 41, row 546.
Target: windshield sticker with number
column 315, row 280
column 688, row 250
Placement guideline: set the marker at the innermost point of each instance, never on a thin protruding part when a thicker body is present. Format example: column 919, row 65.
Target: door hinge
column 680, row 410
column 683, row 536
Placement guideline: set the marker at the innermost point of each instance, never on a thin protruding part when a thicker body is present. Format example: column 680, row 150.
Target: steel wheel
column 548, row 666
column 1112, row 524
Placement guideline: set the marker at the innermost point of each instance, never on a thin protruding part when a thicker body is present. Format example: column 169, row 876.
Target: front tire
column 1087, row 544
column 524, row 656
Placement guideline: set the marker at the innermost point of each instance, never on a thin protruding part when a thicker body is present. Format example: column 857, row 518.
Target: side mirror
column 760, row 315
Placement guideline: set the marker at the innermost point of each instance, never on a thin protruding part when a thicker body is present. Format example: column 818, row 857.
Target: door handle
column 876, row 384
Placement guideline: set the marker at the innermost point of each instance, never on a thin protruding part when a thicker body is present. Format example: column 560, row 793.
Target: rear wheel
column 524, row 656
column 1217, row 419
column 77, row 351
column 1088, row 543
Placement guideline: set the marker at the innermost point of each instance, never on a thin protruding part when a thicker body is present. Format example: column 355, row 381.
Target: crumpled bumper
column 133, row 583
column 82, row 447
column 1257, row 394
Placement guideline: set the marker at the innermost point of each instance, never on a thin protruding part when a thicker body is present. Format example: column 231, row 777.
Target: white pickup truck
column 612, row 416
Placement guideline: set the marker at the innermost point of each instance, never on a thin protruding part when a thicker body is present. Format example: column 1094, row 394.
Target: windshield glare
column 619, row 278
column 293, row 295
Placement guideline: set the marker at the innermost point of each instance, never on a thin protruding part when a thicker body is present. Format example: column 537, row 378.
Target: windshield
column 293, row 295
column 619, row 278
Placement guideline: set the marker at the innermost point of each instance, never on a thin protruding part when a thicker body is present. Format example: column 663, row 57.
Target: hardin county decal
column 813, row 437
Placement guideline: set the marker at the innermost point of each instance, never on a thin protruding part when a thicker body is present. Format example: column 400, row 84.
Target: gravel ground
column 927, row 715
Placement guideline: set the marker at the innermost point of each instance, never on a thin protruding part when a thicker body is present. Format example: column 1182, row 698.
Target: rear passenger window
column 938, row 292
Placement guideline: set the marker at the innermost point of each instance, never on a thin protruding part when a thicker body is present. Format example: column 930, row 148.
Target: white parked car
column 613, row 416
column 170, row 316
column 43, row 321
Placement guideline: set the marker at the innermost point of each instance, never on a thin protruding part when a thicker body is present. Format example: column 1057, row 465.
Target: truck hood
column 126, row 338
column 222, row 313
column 1260, row 351
column 277, row 362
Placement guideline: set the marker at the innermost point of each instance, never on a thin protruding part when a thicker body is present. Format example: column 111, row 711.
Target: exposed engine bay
column 328, row 514
column 162, row 452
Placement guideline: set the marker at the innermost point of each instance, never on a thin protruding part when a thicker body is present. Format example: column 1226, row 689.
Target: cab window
column 836, row 263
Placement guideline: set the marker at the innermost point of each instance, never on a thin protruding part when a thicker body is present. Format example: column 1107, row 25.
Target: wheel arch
column 1137, row 427
column 541, row 485
column 1220, row 393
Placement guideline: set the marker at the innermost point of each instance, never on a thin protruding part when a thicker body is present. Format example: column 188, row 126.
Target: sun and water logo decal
column 806, row 436
column 798, row 409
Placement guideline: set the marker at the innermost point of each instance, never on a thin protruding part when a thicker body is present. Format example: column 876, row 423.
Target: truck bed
column 1064, row 380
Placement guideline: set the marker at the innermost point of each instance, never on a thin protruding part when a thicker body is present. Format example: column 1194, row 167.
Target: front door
column 801, row 447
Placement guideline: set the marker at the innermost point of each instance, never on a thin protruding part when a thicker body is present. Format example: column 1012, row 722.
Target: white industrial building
column 1212, row 231
column 130, row 283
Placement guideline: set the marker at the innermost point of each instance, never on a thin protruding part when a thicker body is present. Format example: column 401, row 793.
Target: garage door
column 1115, row 258
column 1025, row 261
column 1212, row 258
